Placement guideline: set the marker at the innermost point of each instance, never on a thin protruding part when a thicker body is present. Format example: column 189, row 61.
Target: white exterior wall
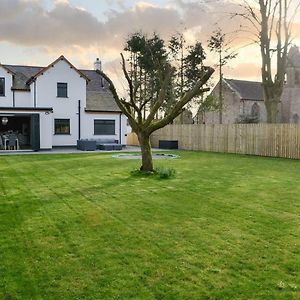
column 125, row 129
column 63, row 108
column 7, row 100
column 45, row 130
column 22, row 99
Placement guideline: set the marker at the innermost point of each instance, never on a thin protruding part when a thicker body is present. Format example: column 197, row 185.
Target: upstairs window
column 62, row 126
column 104, row 127
column 62, row 90
column 2, row 86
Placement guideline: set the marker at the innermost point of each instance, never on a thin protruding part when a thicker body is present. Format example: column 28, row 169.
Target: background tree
column 219, row 44
column 272, row 20
column 208, row 104
column 145, row 57
column 152, row 59
column 188, row 60
column 193, row 69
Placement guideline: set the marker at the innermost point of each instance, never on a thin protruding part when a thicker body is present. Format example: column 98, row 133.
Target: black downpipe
column 79, row 120
column 120, row 128
column 14, row 100
column 34, row 96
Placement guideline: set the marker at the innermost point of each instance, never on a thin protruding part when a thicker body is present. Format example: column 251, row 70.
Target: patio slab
column 71, row 150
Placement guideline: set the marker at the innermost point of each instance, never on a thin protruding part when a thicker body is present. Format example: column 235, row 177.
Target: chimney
column 97, row 65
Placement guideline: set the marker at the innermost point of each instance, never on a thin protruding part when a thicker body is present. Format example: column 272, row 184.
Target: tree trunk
column 272, row 110
column 147, row 163
column 221, row 97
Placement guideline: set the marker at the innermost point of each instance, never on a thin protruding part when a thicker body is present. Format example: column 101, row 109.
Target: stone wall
column 233, row 107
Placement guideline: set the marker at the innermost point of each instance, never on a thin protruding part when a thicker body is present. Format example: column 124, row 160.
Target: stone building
column 290, row 103
column 185, row 118
column 241, row 97
column 245, row 98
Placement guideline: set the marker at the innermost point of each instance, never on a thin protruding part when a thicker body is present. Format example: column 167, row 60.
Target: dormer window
column 2, row 87
column 62, row 90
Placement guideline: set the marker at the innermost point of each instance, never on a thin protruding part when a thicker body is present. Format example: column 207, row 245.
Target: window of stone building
column 297, row 78
column 255, row 110
column 296, row 118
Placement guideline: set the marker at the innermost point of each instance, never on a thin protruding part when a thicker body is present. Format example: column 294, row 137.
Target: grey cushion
column 109, row 147
column 86, row 145
column 107, row 141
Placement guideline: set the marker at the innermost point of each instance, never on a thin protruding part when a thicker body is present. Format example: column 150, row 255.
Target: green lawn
column 81, row 227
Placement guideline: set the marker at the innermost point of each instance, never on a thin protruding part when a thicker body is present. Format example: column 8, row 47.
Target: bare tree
column 144, row 125
column 272, row 21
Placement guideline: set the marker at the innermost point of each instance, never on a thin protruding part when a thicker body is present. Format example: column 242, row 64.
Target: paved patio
column 71, row 150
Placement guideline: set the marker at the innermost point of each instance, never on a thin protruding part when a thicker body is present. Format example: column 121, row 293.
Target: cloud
column 209, row 15
column 145, row 18
column 81, row 36
column 244, row 70
column 29, row 23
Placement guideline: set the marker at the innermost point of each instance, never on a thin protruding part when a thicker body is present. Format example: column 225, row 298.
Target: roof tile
column 248, row 90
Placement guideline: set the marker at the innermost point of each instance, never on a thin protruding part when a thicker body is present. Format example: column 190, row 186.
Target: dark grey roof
column 97, row 83
column 27, row 71
column 99, row 97
column 247, row 90
column 22, row 74
column 101, row 101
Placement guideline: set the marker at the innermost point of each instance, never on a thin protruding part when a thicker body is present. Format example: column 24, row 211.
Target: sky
column 36, row 32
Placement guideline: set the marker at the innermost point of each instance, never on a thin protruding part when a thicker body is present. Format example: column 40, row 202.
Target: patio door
column 35, row 132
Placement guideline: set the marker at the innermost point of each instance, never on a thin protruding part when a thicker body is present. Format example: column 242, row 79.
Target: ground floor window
column 104, row 127
column 62, row 126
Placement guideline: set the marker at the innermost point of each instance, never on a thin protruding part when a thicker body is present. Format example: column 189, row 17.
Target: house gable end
column 61, row 58
column 232, row 89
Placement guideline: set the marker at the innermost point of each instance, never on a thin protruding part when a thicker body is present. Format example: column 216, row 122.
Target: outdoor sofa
column 107, row 144
column 86, row 145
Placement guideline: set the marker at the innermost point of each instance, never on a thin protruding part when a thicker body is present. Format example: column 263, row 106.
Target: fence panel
column 276, row 140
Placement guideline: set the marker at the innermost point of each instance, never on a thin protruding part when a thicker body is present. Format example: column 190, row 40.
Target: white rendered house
column 58, row 105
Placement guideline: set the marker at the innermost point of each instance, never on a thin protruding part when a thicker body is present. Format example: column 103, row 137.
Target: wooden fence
column 277, row 140
column 132, row 139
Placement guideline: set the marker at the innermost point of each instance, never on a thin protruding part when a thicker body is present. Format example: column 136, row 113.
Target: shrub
column 248, row 119
column 139, row 173
column 165, row 173
column 161, row 173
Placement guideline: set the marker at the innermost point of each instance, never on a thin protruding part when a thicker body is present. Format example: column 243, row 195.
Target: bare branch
column 176, row 110
column 122, row 104
column 132, row 90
